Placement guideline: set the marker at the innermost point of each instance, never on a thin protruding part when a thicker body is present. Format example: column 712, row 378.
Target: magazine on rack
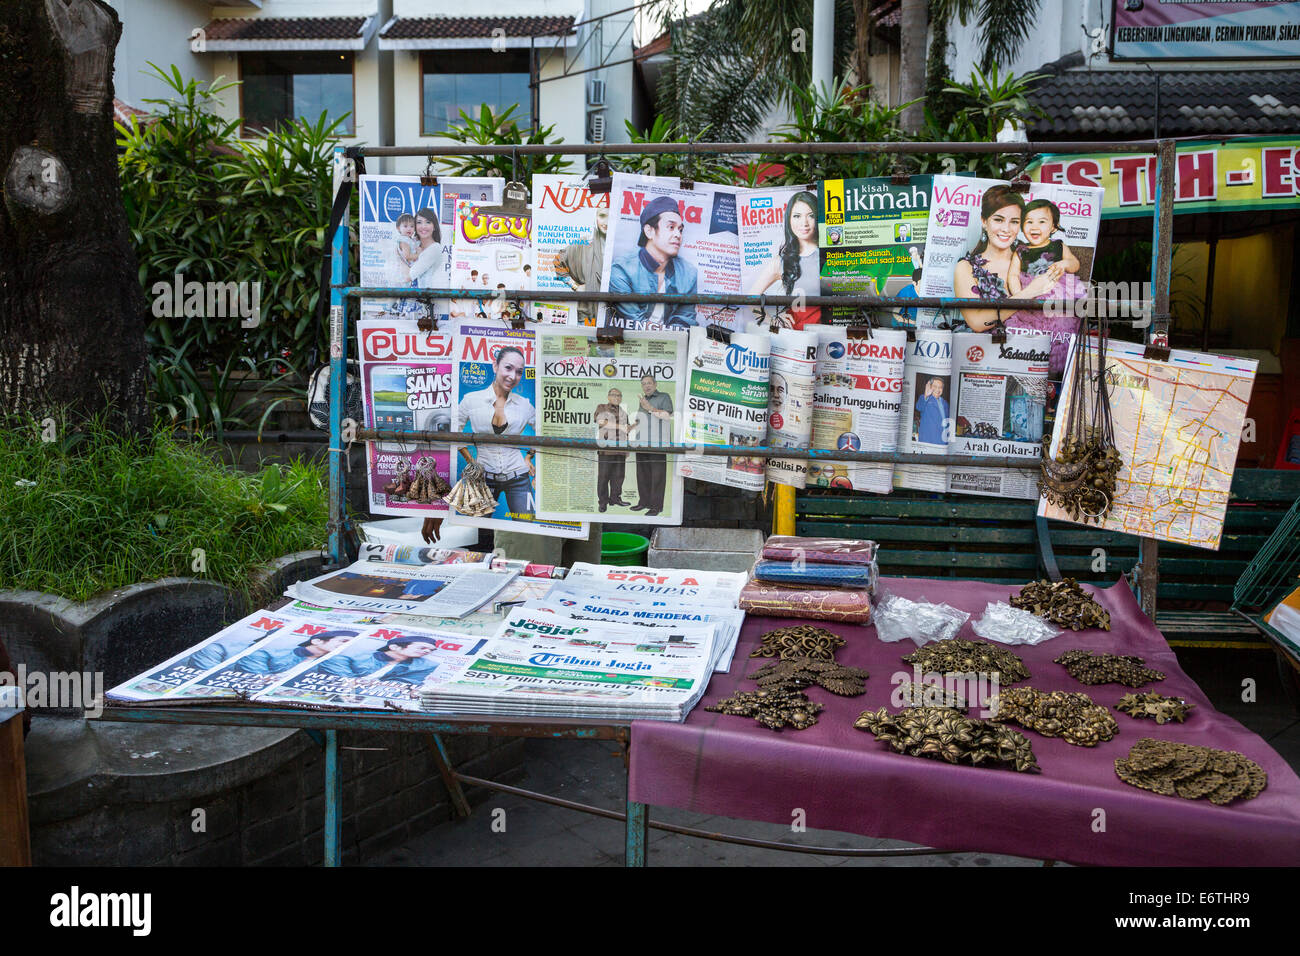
column 726, row 404
column 406, row 386
column 872, row 234
column 779, row 253
column 987, row 240
column 491, row 252
column 622, row 394
column 405, row 232
column 570, row 223
column 545, row 665
column 856, row 404
column 495, row 390
column 437, row 590
column 666, row 239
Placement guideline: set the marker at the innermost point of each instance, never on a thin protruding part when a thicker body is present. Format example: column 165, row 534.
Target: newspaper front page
column 622, row 394
column 441, row 590
column 382, row 668
column 792, row 373
column 872, row 235
column 666, row 239
column 541, row 664
column 779, row 253
column 726, row 404
column 673, row 586
column 570, row 224
column 405, row 385
column 856, row 405
column 925, row 425
column 494, row 384
column 998, row 407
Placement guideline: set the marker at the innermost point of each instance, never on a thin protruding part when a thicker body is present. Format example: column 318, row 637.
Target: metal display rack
column 342, row 293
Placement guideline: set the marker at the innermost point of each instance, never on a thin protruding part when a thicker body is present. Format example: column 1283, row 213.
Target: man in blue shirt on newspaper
column 267, row 661
column 656, row 267
column 401, row 659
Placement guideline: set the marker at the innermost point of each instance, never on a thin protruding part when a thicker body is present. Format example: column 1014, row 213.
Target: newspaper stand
column 348, row 164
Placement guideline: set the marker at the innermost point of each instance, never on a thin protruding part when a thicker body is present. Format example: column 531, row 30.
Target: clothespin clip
column 602, row 178
column 999, row 331
column 517, row 321
column 718, row 333
column 1018, row 180
column 1158, row 345
column 427, row 322
column 428, row 178
column 688, row 181
column 609, row 335
column 899, row 175
column 861, row 331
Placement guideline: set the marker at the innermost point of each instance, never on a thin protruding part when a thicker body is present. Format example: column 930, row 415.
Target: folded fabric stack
column 827, row 579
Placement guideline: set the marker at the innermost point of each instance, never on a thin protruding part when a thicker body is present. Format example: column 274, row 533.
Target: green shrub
column 94, row 510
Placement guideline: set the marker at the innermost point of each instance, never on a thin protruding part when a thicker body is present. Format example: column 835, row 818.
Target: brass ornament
column 773, row 708
column 931, row 695
column 1072, row 717
column 1191, row 772
column 797, row 673
column 799, row 640
column 942, row 733
column 1063, row 603
column 1089, row 668
column 959, row 656
column 1153, row 706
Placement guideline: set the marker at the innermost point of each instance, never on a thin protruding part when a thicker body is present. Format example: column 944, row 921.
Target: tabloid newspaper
column 856, row 405
column 623, row 394
column 440, row 590
column 674, row 586
column 540, row 664
column 925, row 424
column 1000, row 396
column 226, row 644
column 592, row 600
column 405, row 385
column 492, row 252
column 570, row 223
column 987, row 241
column 663, row 238
column 779, row 253
column 792, row 372
column 405, row 237
column 495, row 390
column 382, row 668
column 872, row 234
column 726, row 404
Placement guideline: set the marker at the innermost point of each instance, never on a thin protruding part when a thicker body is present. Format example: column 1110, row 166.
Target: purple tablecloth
column 843, row 779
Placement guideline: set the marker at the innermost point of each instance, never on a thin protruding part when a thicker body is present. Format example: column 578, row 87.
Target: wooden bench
column 1003, row 542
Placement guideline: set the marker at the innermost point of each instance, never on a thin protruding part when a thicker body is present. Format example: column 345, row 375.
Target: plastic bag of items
column 1010, row 625
column 898, row 618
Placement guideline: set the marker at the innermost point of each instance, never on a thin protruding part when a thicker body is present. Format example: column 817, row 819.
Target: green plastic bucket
column 623, row 549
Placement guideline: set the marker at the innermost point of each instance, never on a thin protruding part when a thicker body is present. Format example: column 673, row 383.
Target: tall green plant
column 203, row 203
column 842, row 114
column 490, row 128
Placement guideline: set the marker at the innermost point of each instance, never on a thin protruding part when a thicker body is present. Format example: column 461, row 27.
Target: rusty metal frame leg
column 333, row 801
column 450, row 778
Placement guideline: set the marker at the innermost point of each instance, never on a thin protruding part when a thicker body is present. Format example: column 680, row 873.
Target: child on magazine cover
column 1043, row 259
column 405, row 249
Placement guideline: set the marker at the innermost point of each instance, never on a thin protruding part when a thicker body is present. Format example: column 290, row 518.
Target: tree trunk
column 862, row 43
column 911, row 83
column 72, row 313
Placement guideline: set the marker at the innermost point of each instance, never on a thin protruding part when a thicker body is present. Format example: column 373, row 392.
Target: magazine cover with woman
column 987, row 240
column 779, row 254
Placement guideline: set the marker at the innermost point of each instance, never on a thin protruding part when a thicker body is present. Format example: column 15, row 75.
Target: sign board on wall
column 1223, row 176
column 1227, row 29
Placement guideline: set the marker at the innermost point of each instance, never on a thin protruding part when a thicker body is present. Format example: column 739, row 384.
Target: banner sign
column 1226, row 29
column 1225, row 176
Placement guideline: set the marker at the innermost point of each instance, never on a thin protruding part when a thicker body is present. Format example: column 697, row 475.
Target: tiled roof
column 474, row 28
column 285, row 28
column 887, row 13
column 123, row 111
column 1122, row 103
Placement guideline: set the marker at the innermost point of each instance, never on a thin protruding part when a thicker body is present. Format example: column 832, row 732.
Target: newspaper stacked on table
column 383, row 587
column 545, row 665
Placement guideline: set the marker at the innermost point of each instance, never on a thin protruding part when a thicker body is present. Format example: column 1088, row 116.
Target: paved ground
column 536, row 834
